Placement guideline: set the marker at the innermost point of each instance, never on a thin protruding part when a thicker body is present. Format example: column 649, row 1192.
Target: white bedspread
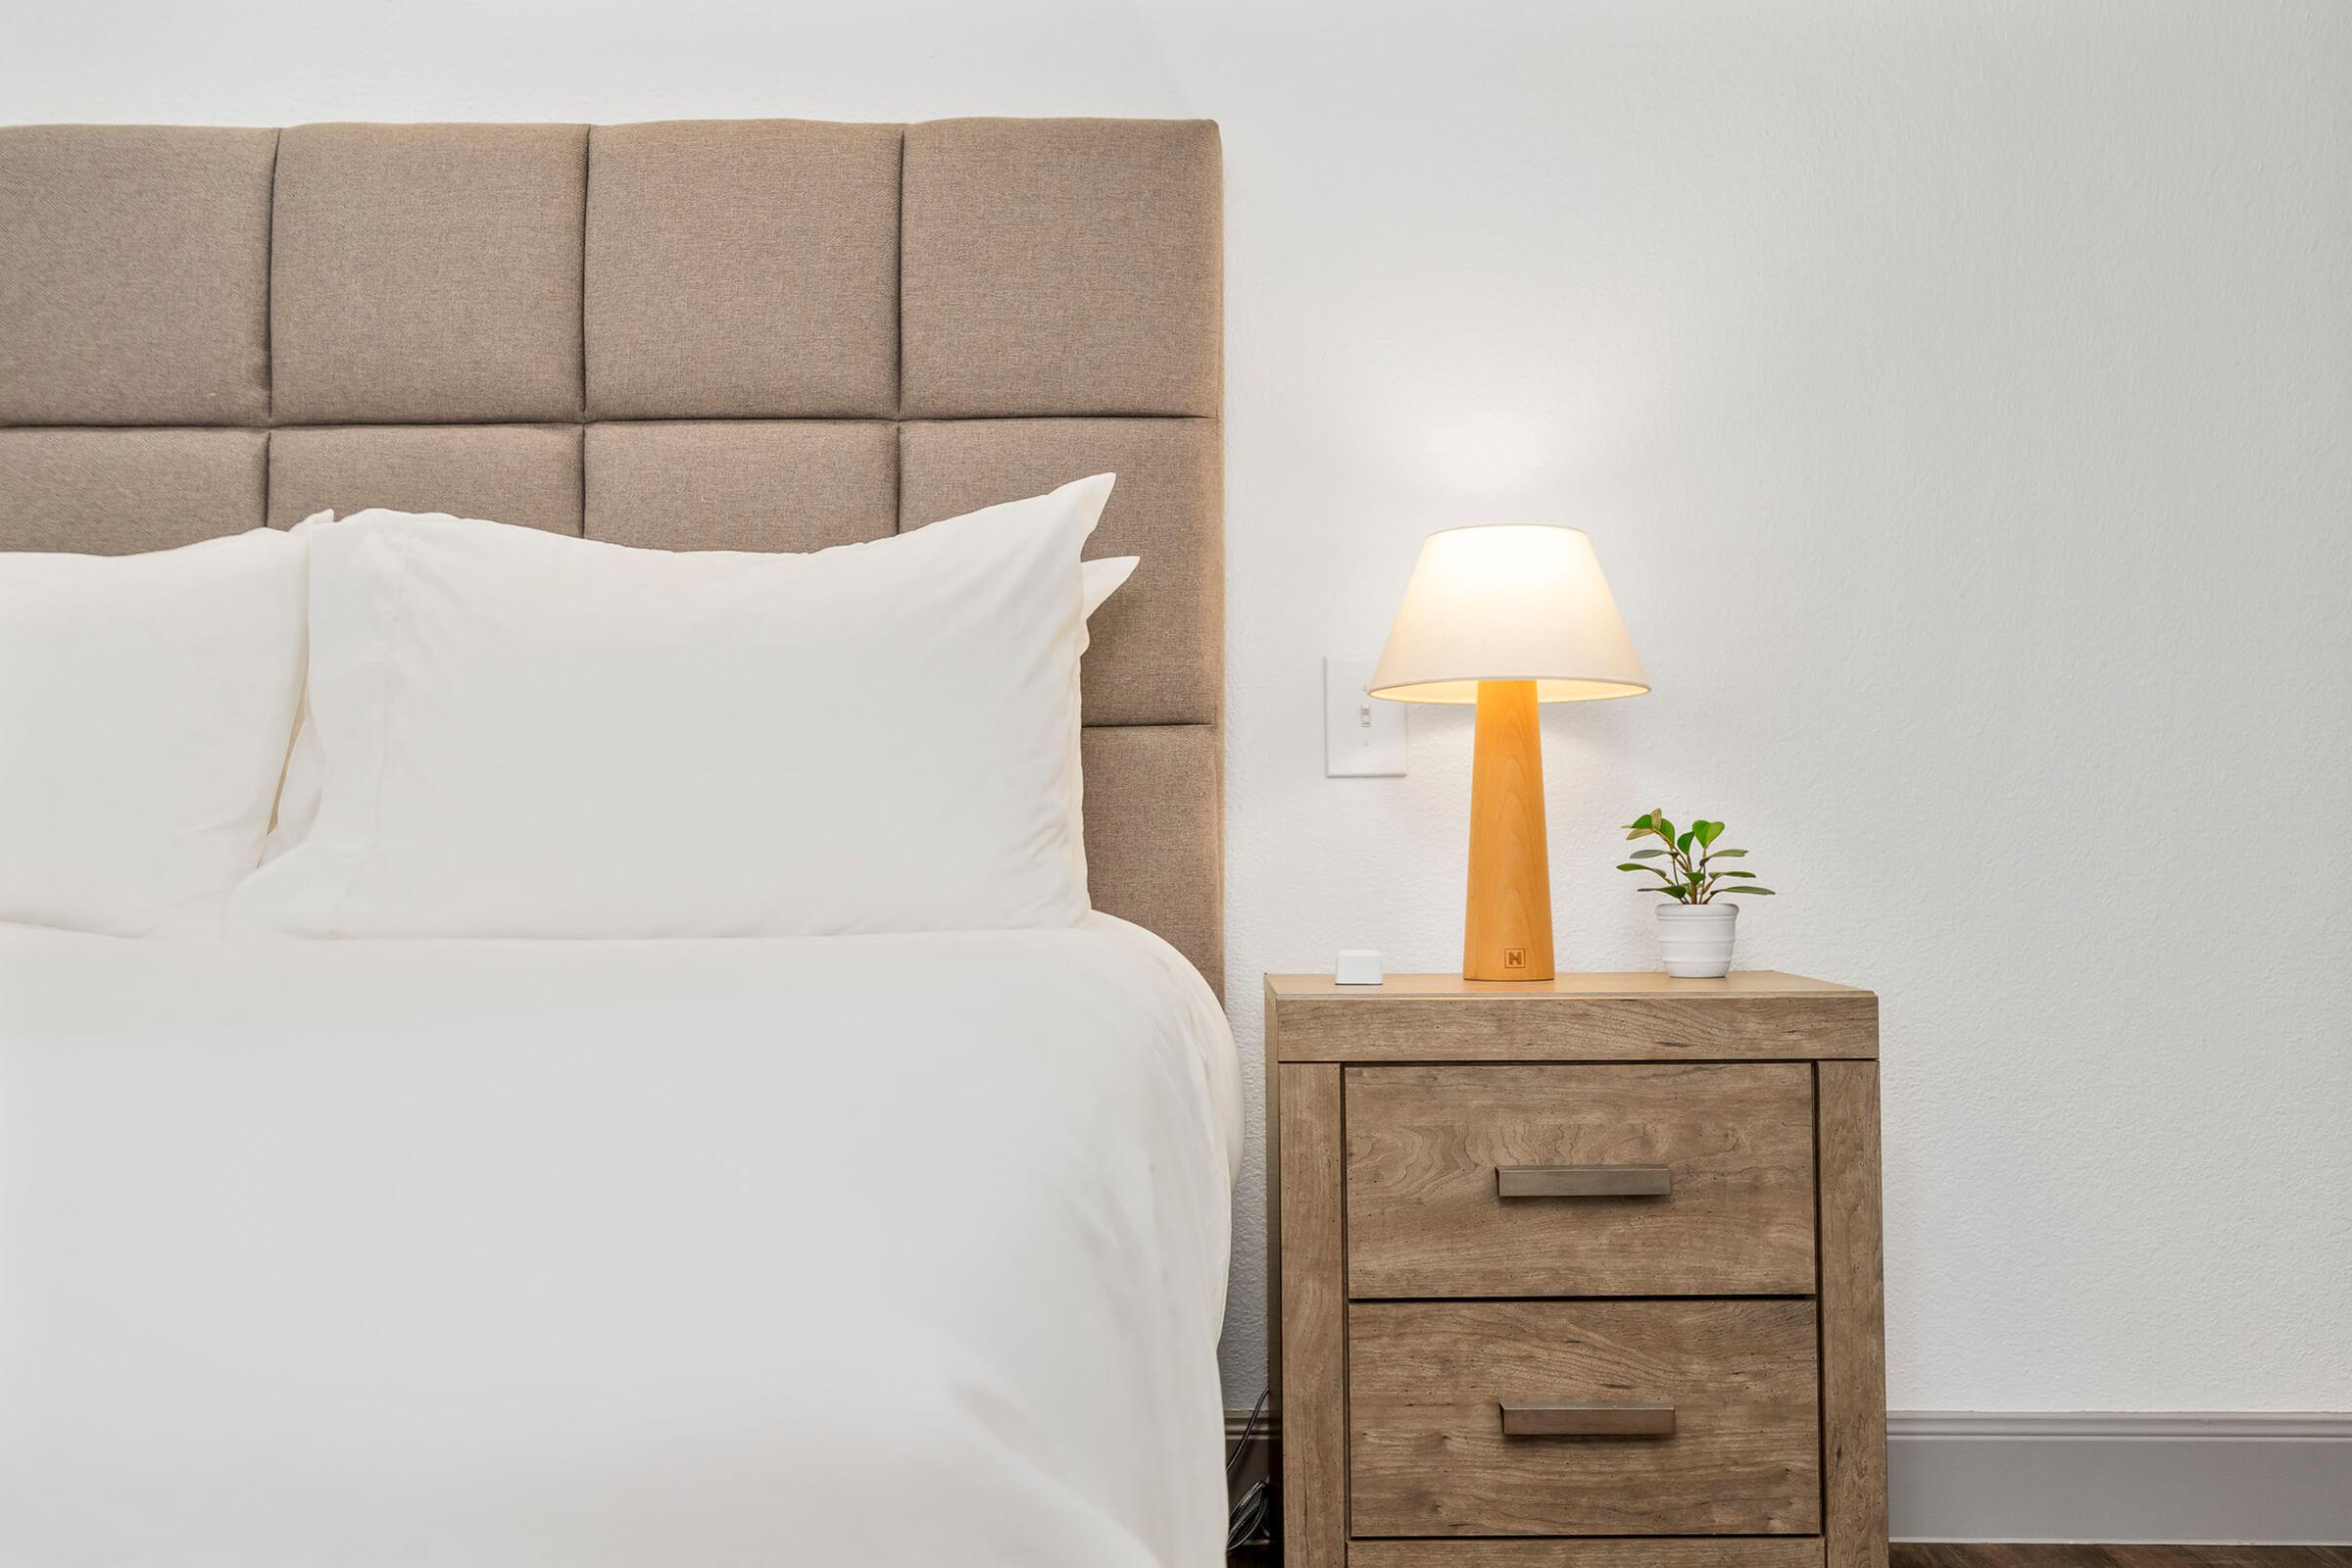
column 869, row 1250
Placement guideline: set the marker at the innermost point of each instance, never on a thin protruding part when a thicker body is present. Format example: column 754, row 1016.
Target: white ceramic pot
column 1696, row 939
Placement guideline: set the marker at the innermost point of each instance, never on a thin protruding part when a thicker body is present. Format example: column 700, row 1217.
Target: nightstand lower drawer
column 1625, row 1418
column 1593, row 1551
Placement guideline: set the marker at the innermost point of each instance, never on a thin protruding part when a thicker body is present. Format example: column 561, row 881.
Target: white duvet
column 870, row 1250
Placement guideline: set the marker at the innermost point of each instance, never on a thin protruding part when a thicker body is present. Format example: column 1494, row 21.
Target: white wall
column 1959, row 397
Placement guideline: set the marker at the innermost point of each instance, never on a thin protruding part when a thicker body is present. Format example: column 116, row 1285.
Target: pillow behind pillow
column 522, row 734
column 145, row 705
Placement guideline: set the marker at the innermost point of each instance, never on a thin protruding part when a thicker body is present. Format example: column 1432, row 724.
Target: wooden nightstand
column 1577, row 1274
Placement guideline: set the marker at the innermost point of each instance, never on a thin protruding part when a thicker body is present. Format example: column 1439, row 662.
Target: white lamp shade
column 1515, row 602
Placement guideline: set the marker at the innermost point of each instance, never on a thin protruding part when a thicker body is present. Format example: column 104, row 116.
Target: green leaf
column 1630, row 865
column 1719, row 855
column 1747, row 890
column 1640, row 824
column 1662, row 827
column 1646, row 855
column 1707, row 832
column 1684, row 843
column 1732, row 873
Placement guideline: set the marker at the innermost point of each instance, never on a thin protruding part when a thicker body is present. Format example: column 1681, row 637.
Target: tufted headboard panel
column 723, row 335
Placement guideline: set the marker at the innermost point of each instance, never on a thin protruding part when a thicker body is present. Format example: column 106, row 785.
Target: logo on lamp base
column 1515, row 957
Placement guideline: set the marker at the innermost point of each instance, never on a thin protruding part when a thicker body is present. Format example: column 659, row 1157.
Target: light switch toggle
column 1363, row 737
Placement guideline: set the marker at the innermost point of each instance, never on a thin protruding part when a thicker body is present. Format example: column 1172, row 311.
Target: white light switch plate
column 1362, row 737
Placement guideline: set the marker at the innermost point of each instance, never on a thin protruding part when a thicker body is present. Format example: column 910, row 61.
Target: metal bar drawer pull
column 1583, row 1181
column 1587, row 1420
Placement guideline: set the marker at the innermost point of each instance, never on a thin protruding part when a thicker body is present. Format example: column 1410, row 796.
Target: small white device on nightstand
column 1358, row 966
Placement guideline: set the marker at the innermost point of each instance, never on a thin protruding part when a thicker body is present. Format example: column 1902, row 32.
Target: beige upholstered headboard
column 756, row 334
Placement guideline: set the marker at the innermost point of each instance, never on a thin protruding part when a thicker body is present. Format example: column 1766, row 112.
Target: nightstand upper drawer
column 1583, row 1418
column 1616, row 1180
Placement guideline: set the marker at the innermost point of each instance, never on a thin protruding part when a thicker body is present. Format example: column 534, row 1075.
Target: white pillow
column 524, row 734
column 1106, row 576
column 145, row 707
column 306, row 770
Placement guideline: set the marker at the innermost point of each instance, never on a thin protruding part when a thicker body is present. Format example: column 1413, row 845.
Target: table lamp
column 1507, row 617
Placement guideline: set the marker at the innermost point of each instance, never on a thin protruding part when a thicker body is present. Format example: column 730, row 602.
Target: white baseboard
column 2121, row 1477
column 2124, row 1477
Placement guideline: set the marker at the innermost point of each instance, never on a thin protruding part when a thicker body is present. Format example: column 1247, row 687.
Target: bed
column 891, row 1248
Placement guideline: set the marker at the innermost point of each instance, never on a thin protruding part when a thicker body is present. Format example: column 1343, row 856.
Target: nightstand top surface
column 1426, row 987
column 1750, row 1015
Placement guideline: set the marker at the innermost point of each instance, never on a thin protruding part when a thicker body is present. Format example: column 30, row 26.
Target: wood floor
column 1922, row 1557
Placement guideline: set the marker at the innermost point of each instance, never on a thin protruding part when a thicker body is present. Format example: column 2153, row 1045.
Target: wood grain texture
column 1273, row 1131
column 1506, row 919
column 1428, row 1457
column 1436, row 1481
column 1853, row 1388
column 1313, row 1326
column 1492, row 1023
column 1789, row 1552
column 1918, row 1554
column 1717, row 1551
column 1427, row 987
column 1425, row 1217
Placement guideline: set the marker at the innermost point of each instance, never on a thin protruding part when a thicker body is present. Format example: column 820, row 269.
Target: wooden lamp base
column 1506, row 932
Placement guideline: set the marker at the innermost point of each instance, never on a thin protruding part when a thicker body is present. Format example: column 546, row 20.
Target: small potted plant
column 1695, row 932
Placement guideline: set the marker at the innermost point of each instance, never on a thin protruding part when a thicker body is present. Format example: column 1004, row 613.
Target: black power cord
column 1248, row 1516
